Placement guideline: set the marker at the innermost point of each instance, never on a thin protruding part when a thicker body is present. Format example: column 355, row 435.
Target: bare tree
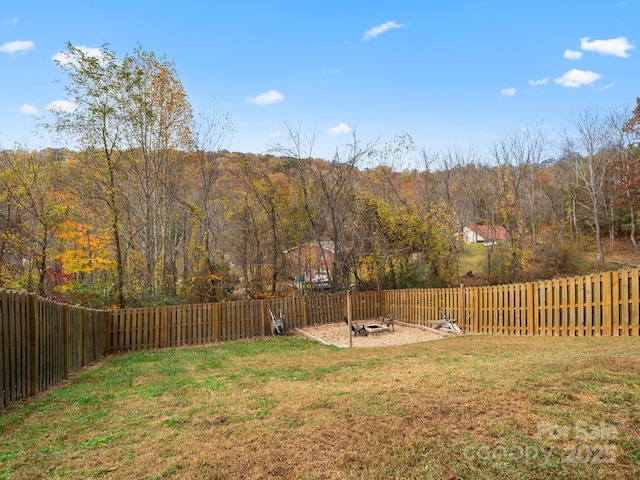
column 586, row 147
column 268, row 194
column 392, row 161
column 213, row 132
column 327, row 193
column 337, row 194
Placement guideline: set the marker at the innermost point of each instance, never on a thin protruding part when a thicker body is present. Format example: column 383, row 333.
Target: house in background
column 309, row 265
column 486, row 234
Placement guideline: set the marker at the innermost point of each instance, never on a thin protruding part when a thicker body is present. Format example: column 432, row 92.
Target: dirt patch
column 338, row 334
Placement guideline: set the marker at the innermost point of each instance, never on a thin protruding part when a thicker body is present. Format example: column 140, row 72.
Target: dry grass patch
column 291, row 408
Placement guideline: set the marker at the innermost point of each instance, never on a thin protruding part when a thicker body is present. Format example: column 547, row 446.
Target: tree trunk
column 598, row 239
column 115, row 231
column 634, row 238
column 42, row 267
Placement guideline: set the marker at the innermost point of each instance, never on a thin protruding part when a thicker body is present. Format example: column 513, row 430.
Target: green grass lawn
column 484, row 407
column 473, row 258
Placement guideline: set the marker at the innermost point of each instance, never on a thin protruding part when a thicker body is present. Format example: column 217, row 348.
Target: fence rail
column 43, row 342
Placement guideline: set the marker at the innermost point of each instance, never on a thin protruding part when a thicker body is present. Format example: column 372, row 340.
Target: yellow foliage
column 85, row 250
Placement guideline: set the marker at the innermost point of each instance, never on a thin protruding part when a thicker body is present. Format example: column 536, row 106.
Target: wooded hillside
column 149, row 208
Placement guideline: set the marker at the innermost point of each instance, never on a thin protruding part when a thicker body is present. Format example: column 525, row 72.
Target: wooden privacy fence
column 183, row 325
column 600, row 304
column 43, row 341
column 605, row 304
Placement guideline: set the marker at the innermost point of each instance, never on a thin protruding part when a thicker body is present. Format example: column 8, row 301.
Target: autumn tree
column 84, row 255
column 334, row 198
column 298, row 152
column 157, row 137
column 268, row 190
column 456, row 188
column 31, row 184
column 404, row 246
column 131, row 118
column 517, row 158
column 627, row 169
column 13, row 245
column 246, row 243
column 98, row 88
column 208, row 195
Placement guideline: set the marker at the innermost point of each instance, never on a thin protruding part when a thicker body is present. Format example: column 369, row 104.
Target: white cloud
column 608, row 86
column 572, row 54
column 339, row 129
column 22, row 46
column 576, row 78
column 266, row 98
column 380, row 29
column 614, row 46
column 539, row 83
column 11, row 21
column 29, row 109
column 62, row 106
column 276, row 134
column 508, row 92
column 63, row 59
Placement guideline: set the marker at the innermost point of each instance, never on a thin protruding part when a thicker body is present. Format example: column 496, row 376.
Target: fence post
column 34, row 357
column 384, row 304
column 531, row 310
column 607, row 303
column 632, row 322
column 461, row 309
column 65, row 341
column 83, row 336
column 164, row 327
column 107, row 324
column 349, row 317
column 303, row 306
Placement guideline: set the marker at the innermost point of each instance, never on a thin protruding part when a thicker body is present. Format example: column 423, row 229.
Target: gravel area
column 338, row 334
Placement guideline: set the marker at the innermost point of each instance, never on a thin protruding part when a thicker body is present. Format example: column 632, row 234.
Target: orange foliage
column 86, row 251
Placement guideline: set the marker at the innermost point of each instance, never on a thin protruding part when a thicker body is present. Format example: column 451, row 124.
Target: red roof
column 487, row 232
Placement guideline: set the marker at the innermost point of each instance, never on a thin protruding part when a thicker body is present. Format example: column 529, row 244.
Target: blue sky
column 448, row 73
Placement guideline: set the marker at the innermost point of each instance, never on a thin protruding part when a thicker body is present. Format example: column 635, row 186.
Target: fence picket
column 4, row 365
column 607, row 302
column 632, row 320
column 598, row 306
